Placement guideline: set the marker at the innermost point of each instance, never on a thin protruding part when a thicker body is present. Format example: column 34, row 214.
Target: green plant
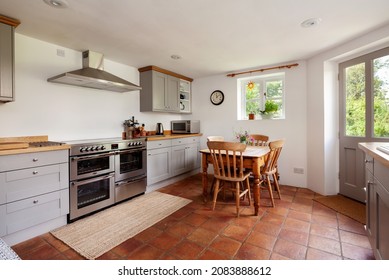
column 270, row 107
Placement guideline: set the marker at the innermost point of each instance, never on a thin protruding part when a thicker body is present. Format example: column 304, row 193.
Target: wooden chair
column 259, row 139
column 270, row 168
column 229, row 169
column 215, row 138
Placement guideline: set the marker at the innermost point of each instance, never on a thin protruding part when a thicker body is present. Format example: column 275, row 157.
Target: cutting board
column 13, row 145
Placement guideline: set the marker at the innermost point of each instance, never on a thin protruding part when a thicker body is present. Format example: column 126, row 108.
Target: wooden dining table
column 253, row 159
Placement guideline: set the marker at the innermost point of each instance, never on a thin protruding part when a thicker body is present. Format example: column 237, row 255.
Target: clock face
column 217, row 97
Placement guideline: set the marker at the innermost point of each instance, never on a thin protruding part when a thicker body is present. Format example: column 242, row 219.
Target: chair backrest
column 227, row 167
column 259, row 139
column 215, row 138
column 273, row 155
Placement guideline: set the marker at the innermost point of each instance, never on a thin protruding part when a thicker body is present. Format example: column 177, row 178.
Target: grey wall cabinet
column 7, row 27
column 161, row 91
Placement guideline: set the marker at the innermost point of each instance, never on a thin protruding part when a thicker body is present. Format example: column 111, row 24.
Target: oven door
column 82, row 167
column 130, row 163
column 90, row 195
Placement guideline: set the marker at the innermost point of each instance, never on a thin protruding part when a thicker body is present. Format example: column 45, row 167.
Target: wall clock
column 217, row 97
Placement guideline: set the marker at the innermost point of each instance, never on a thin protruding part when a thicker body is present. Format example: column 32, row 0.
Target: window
column 262, row 96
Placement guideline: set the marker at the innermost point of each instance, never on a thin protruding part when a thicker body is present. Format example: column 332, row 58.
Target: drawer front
column 30, row 212
column 381, row 174
column 25, row 183
column 158, row 144
column 186, row 140
column 28, row 160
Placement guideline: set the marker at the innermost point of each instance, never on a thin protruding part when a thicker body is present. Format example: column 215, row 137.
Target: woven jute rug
column 94, row 235
column 346, row 206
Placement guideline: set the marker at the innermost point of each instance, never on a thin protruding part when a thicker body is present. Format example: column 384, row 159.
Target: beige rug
column 94, row 235
column 346, row 206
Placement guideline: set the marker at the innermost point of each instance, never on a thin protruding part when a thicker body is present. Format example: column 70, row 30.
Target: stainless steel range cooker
column 104, row 172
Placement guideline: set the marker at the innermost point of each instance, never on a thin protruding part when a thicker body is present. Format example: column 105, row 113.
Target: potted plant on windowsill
column 270, row 109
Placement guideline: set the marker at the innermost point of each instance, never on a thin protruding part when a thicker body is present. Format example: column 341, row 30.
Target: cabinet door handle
column 35, row 159
column 34, row 172
column 368, row 161
column 35, row 201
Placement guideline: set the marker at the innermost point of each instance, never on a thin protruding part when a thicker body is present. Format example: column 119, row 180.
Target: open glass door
column 364, row 115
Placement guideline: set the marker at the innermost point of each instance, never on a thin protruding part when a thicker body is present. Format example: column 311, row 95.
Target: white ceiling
column 212, row 36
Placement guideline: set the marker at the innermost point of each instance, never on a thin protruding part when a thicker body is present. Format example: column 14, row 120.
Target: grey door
column 364, row 116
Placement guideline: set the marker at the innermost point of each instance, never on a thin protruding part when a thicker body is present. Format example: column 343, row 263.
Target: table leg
column 204, row 165
column 257, row 194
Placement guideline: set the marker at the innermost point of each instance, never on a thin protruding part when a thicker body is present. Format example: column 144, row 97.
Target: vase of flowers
column 243, row 137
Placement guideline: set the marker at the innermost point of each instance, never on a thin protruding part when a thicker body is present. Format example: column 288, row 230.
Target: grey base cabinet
column 34, row 189
column 169, row 158
column 377, row 207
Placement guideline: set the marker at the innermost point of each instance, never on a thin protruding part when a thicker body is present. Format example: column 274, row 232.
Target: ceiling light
column 175, row 56
column 310, row 22
column 57, row 3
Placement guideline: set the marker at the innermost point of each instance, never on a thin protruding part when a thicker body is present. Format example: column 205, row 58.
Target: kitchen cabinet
column 169, row 158
column 34, row 190
column 158, row 161
column 7, row 27
column 162, row 91
column 377, row 201
column 185, row 97
column 185, row 153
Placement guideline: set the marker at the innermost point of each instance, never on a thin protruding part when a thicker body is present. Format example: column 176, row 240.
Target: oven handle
column 94, row 179
column 130, row 151
column 93, row 156
column 135, row 179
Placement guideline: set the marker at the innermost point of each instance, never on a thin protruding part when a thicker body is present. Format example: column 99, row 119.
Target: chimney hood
column 92, row 75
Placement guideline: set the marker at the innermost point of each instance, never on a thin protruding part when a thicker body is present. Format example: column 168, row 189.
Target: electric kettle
column 159, row 130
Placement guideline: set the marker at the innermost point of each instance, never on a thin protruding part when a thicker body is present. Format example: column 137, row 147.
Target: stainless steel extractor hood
column 92, row 75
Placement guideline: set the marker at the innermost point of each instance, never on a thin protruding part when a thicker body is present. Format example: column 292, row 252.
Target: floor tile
column 165, row 241
column 202, row 236
column 296, row 225
column 225, row 245
column 325, row 244
column 146, row 252
column 324, row 231
column 315, row 254
column 295, row 236
column 357, row 253
column 187, row 250
column 354, row 239
column 238, row 233
column 290, row 249
column 250, row 252
column 262, row 240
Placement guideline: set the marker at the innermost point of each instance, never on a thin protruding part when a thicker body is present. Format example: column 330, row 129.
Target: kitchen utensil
column 159, row 129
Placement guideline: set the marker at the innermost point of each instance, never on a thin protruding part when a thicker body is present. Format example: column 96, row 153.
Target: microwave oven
column 185, row 126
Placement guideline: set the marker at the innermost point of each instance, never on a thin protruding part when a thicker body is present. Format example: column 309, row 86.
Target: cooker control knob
column 82, row 150
column 130, row 144
column 97, row 148
column 87, row 149
column 102, row 148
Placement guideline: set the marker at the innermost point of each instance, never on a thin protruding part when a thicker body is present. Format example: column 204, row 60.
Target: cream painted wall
column 67, row 112
column 322, row 110
column 222, row 119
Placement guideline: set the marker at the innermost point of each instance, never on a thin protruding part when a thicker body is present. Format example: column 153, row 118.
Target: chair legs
column 238, row 193
column 269, row 187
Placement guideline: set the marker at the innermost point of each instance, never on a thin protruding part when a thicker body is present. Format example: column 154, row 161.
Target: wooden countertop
column 171, row 136
column 26, row 148
column 371, row 149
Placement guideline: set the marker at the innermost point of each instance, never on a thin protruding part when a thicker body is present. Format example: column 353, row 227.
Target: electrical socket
column 61, row 52
column 298, row 170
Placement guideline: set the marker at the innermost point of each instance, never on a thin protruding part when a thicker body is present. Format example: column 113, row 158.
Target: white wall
column 222, row 119
column 67, row 112
column 323, row 112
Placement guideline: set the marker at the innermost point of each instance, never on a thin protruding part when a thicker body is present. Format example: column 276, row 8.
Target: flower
column 243, row 137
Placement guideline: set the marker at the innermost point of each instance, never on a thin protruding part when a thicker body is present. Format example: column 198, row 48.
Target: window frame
column 261, row 80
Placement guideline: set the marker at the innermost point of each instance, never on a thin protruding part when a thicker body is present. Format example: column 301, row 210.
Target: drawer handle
column 368, row 161
column 35, row 159
column 35, row 201
column 34, row 172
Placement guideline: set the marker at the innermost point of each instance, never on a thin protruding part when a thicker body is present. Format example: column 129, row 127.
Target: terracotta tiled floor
column 297, row 228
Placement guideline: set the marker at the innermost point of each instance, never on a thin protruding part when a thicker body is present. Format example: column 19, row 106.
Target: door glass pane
column 355, row 100
column 381, row 96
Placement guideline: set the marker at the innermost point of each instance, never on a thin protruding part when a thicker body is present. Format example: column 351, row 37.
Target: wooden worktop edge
column 39, row 138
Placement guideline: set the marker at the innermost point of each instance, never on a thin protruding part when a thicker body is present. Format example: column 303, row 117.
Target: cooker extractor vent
column 92, row 75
